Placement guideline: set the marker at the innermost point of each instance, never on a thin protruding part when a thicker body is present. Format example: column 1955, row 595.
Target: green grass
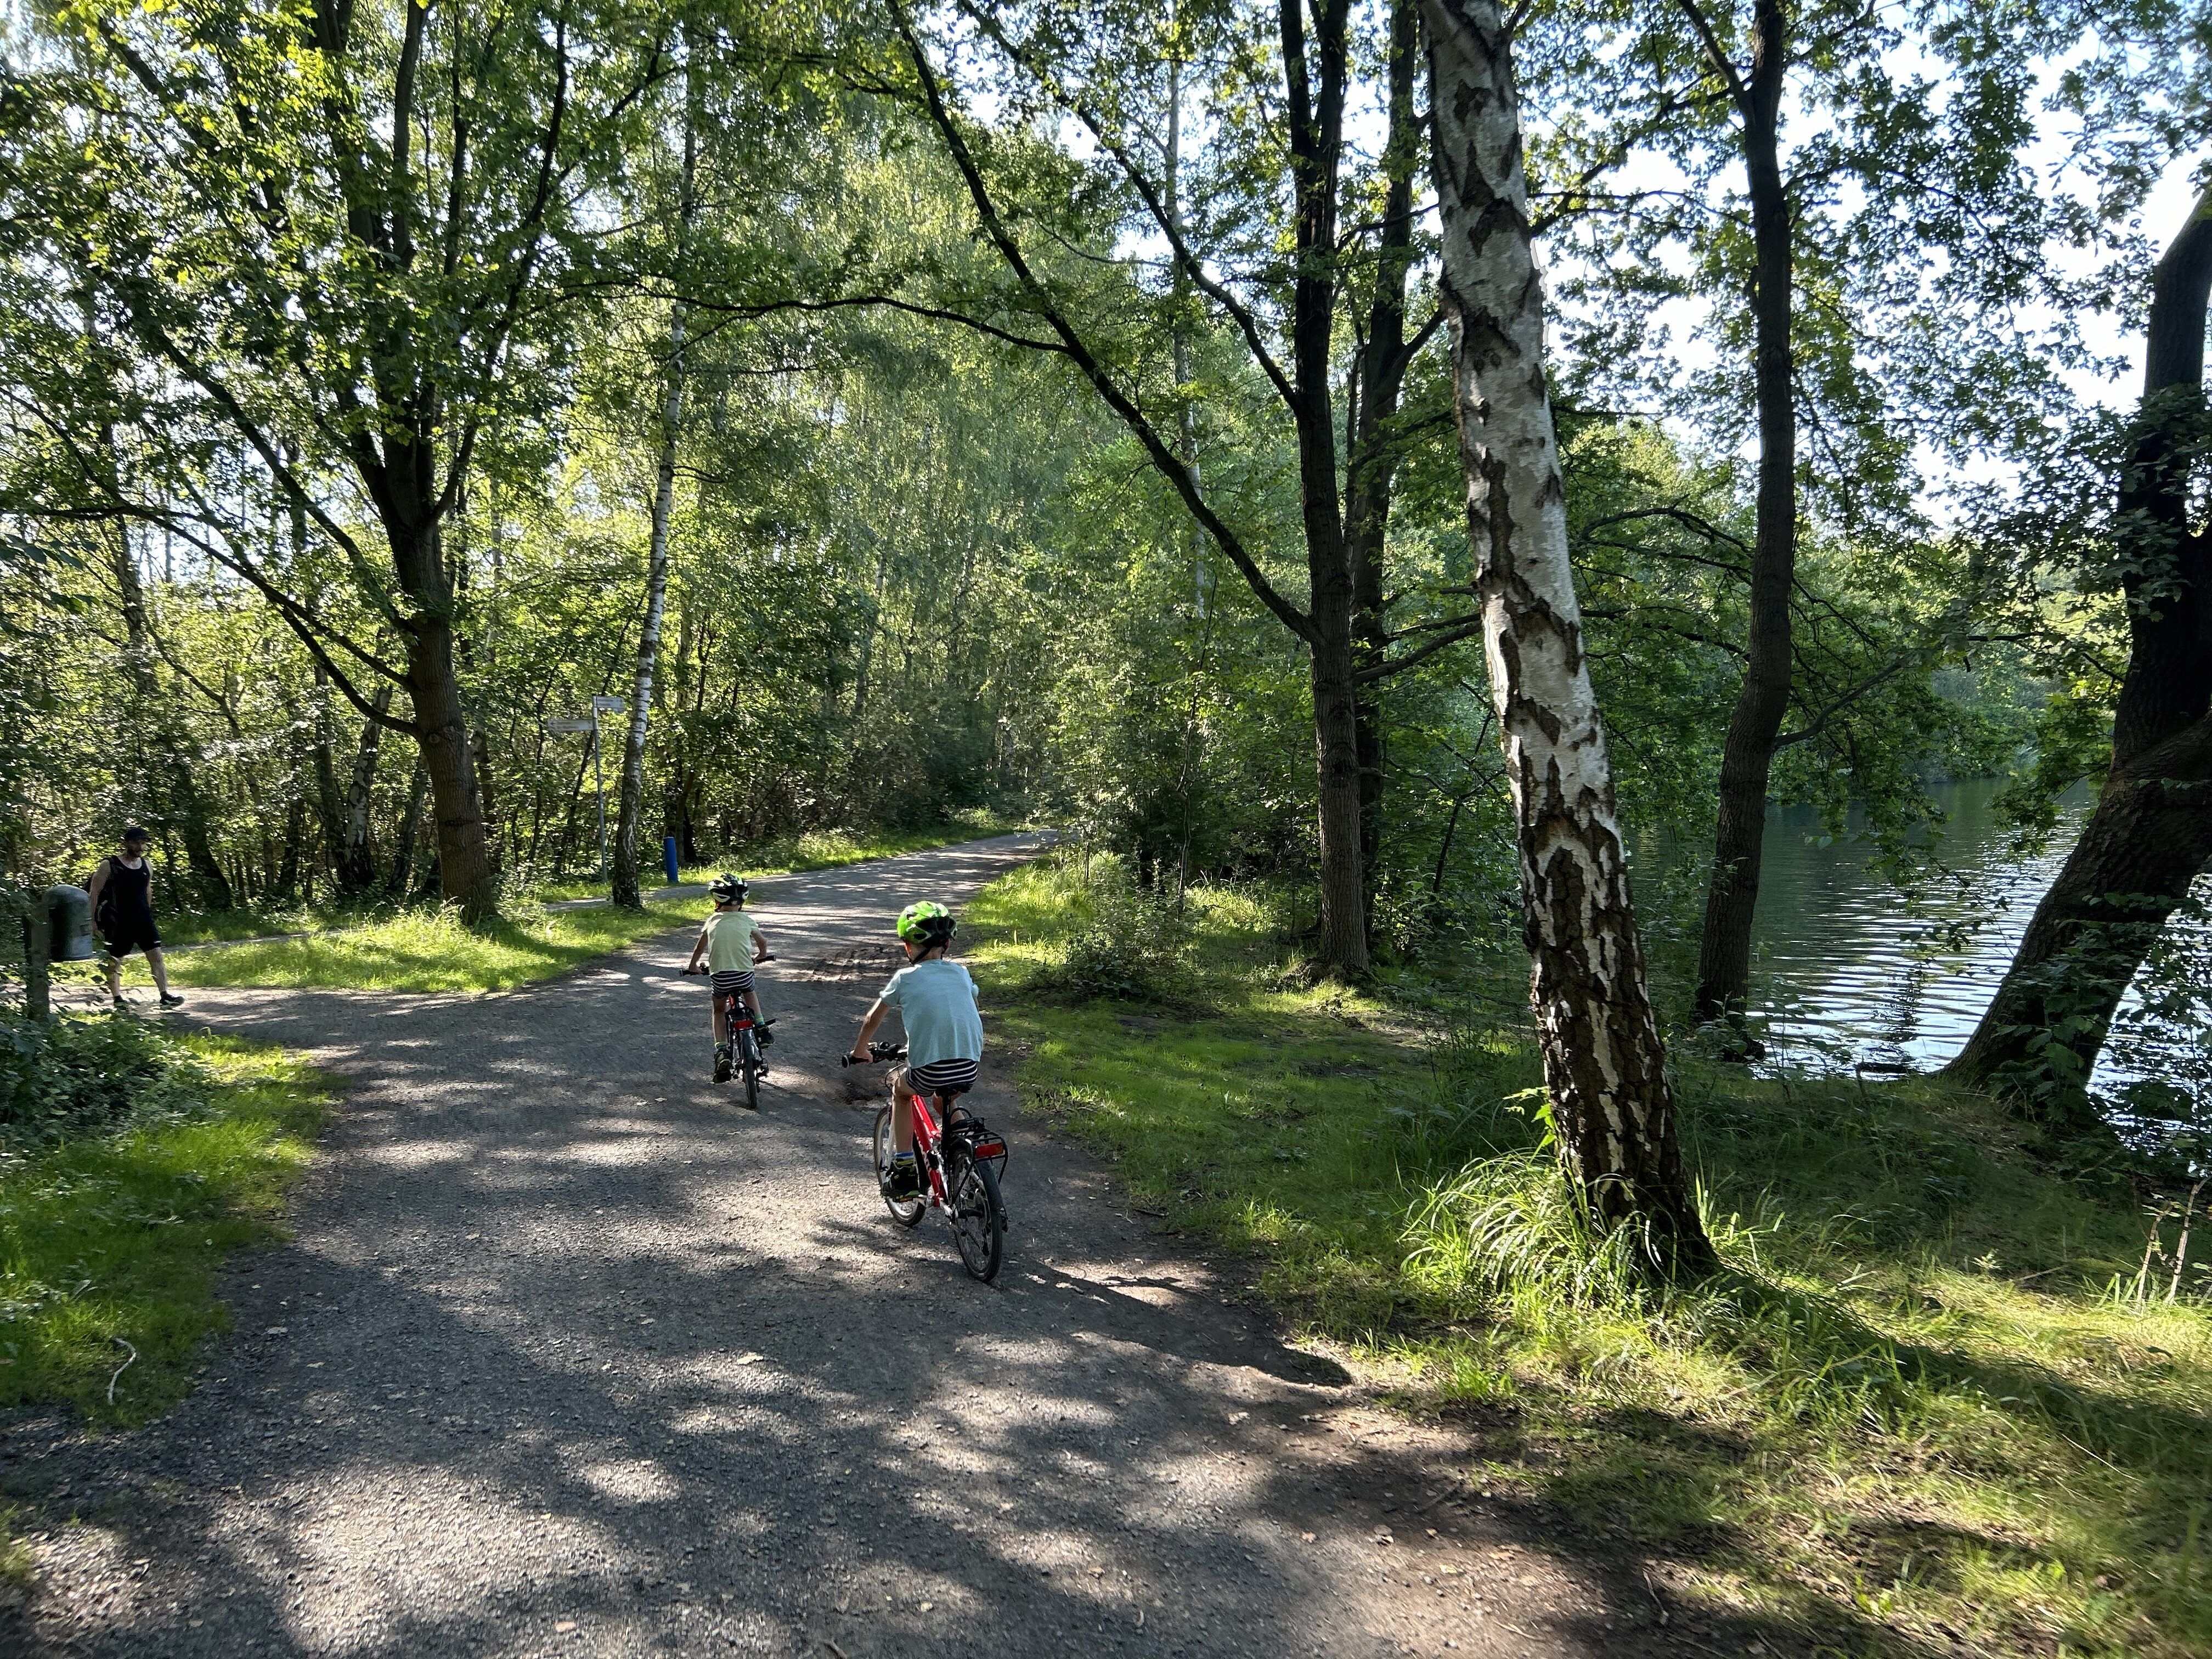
column 110, row 1238
column 814, row 849
column 428, row 951
column 1923, row 1410
column 251, row 921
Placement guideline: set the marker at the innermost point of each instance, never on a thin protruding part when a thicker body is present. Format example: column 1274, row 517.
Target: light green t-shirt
column 730, row 935
column 937, row 1000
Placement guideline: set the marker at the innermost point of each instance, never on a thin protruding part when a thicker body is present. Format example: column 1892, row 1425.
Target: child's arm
column 760, row 953
column 868, row 1029
column 698, row 946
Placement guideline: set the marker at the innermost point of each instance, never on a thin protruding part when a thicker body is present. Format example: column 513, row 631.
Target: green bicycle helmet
column 726, row 888
column 926, row 923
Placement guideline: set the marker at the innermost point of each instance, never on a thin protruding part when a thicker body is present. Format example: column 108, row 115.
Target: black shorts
column 130, row 934
column 942, row 1076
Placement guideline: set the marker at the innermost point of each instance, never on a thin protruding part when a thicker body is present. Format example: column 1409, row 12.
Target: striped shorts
column 943, row 1077
column 728, row 981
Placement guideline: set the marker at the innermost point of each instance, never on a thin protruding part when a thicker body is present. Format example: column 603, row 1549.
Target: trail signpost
column 599, row 706
column 602, row 705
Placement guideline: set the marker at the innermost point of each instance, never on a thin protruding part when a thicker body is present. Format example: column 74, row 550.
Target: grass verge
column 814, row 850
column 428, row 951
column 109, row 1235
column 1926, row 1411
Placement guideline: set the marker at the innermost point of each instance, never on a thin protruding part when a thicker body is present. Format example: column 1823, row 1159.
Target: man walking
column 123, row 908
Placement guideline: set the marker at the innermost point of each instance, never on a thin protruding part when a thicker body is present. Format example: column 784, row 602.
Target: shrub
column 1135, row 947
column 71, row 1076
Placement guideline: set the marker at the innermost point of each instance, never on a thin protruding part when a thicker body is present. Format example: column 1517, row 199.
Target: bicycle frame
column 928, row 1139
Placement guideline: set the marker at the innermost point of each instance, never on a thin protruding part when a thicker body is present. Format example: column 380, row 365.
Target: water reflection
column 1848, row 974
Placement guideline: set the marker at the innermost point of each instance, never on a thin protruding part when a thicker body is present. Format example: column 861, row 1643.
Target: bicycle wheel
column 752, row 1072
column 907, row 1211
column 979, row 1220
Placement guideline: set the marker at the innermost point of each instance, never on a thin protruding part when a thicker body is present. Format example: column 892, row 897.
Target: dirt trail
column 569, row 1356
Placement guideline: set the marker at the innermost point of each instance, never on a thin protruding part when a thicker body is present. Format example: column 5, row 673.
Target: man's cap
column 132, row 832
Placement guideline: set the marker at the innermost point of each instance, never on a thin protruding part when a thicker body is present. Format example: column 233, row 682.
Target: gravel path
column 571, row 1357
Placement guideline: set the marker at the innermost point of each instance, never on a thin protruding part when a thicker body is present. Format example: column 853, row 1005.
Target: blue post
column 668, row 858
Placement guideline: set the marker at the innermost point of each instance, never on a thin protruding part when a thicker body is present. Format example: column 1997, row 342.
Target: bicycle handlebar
column 877, row 1053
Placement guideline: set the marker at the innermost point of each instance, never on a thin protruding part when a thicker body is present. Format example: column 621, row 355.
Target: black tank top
column 130, row 891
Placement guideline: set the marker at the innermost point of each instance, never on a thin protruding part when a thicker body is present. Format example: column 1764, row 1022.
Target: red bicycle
column 959, row 1161
column 742, row 1053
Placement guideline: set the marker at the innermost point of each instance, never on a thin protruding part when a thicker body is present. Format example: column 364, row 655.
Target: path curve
column 570, row 1356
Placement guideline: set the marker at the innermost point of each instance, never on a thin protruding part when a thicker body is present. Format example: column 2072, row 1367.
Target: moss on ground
column 1926, row 1410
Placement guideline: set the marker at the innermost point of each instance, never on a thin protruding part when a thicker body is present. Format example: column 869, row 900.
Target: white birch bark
column 632, row 798
column 1603, row 1066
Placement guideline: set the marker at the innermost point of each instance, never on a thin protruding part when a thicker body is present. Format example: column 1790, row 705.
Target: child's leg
column 752, row 1001
column 719, row 1021
column 902, row 1113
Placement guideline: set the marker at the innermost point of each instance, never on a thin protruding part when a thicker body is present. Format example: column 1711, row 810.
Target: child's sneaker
column 903, row 1179
column 721, row 1062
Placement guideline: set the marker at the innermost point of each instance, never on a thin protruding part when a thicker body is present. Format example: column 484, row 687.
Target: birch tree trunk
column 626, row 891
column 356, row 852
column 1603, row 1068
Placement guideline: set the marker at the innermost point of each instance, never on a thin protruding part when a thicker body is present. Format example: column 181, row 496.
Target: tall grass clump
column 1514, row 1222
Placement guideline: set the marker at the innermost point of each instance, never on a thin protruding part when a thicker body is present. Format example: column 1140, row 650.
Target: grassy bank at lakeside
column 428, row 951
column 1936, row 1404
column 131, row 1162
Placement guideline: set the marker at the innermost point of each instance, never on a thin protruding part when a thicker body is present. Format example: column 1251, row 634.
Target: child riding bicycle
column 734, row 945
column 936, row 998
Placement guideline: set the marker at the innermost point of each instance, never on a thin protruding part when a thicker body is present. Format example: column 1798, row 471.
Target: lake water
column 1846, row 971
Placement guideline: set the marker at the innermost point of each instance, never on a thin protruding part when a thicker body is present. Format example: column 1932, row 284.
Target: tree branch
column 1163, row 456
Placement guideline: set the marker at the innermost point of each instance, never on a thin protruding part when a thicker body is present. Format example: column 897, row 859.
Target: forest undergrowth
column 1942, row 1399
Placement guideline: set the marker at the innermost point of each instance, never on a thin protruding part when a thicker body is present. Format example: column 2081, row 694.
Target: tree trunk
column 440, row 725
column 1604, row 1069
column 656, row 570
column 410, row 825
column 330, row 800
column 1316, row 134
column 177, row 757
column 480, row 749
column 296, row 831
column 356, row 851
column 1748, row 755
column 2151, row 833
column 1374, row 454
